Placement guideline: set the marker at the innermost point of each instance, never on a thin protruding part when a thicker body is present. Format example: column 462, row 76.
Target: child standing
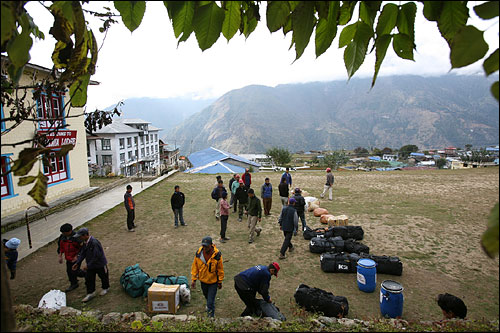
column 11, row 254
column 224, row 215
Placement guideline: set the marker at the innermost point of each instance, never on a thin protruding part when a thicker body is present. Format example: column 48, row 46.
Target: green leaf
column 490, row 65
column 232, row 19
column 346, row 11
column 277, row 13
column 485, row 11
column 432, row 9
column 26, row 180
column 207, row 24
column 381, row 45
column 19, row 49
column 326, row 30
column 467, row 47
column 355, row 52
column 406, row 20
column 181, row 14
column 303, row 22
column 64, row 150
column 453, row 18
column 387, row 19
column 132, row 13
column 403, row 46
column 15, row 73
column 78, row 91
column 489, row 240
column 347, row 34
column 494, row 90
column 368, row 11
column 8, row 21
column 39, row 191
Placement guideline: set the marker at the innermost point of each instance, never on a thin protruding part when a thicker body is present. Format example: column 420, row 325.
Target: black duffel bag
column 340, row 231
column 318, row 300
column 355, row 232
column 322, row 245
column 270, row 310
column 352, row 246
column 386, row 264
column 339, row 262
column 318, row 232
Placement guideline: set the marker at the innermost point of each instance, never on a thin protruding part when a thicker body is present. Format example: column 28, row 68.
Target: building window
column 142, row 152
column 135, row 141
column 129, row 155
column 147, row 138
column 106, row 144
column 55, row 168
column 152, row 137
column 142, row 140
column 137, row 153
column 88, row 149
column 122, row 143
column 129, row 142
column 107, row 160
column 122, row 157
column 156, row 137
column 7, row 189
column 147, row 151
column 50, row 110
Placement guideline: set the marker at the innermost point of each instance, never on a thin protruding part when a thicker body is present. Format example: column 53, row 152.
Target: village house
column 66, row 175
column 125, row 147
column 169, row 156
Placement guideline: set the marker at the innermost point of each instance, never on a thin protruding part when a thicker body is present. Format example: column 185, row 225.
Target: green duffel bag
column 165, row 279
column 133, row 279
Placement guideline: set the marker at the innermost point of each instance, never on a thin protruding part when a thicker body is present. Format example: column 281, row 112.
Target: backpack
column 270, row 310
column 318, row 300
column 165, row 279
column 133, row 279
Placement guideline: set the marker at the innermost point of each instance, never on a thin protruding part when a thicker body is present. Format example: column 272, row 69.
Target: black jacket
column 177, row 200
column 288, row 220
column 93, row 254
column 300, row 204
column 217, row 192
column 242, row 194
column 283, row 189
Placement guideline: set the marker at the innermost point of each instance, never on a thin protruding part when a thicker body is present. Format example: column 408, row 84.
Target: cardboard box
column 336, row 221
column 163, row 298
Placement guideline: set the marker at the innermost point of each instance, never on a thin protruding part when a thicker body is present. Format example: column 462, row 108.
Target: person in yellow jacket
column 208, row 268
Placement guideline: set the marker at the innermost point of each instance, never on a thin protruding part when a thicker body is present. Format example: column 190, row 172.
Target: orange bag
column 320, row 211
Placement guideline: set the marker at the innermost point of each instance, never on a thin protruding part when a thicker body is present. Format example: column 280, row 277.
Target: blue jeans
column 302, row 217
column 178, row 216
column 209, row 291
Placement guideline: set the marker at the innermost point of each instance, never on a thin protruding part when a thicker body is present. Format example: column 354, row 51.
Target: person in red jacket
column 69, row 246
column 247, row 178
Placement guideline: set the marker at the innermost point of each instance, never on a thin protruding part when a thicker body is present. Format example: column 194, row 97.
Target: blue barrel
column 367, row 275
column 391, row 299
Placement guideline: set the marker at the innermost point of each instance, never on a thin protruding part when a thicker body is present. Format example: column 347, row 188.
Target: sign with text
column 60, row 138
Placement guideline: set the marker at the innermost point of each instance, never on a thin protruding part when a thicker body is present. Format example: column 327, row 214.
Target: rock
column 181, row 317
column 347, row 322
column 316, row 322
column 69, row 311
column 131, row 316
column 46, row 311
column 111, row 317
column 24, row 307
column 327, row 320
column 162, row 317
column 97, row 314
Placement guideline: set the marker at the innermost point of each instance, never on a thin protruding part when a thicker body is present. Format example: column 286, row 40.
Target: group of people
column 207, row 267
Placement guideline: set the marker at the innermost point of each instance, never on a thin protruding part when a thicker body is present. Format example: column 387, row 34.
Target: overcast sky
column 148, row 63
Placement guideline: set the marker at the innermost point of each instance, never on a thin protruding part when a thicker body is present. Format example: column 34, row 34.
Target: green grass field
column 432, row 220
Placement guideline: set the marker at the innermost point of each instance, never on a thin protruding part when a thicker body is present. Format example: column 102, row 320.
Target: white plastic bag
column 185, row 294
column 54, row 299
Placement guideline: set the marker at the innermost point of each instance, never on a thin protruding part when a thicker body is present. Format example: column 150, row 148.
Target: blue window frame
column 7, row 186
column 50, row 111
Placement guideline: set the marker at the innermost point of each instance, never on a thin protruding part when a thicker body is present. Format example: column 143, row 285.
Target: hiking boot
column 131, row 230
column 89, row 297
column 104, row 292
column 282, row 256
column 72, row 287
column 258, row 232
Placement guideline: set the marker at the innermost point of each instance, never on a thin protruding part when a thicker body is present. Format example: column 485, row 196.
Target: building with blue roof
column 214, row 161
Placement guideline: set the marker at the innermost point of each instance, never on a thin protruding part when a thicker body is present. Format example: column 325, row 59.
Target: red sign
column 60, row 138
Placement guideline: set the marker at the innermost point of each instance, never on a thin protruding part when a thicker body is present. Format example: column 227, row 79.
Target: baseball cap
column 328, row 169
column 13, row 243
column 297, row 190
column 206, row 241
column 241, row 181
column 275, row 264
column 291, row 201
column 81, row 232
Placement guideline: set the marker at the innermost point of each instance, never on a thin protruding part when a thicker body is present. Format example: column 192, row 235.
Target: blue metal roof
column 218, row 167
column 374, row 158
column 417, row 154
column 211, row 154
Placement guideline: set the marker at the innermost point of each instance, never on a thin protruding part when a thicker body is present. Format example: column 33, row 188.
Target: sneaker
column 239, row 220
column 88, row 297
column 258, row 232
column 176, row 226
column 291, row 249
column 250, row 241
column 184, row 224
column 104, row 292
column 131, row 230
column 282, row 256
column 227, row 238
column 72, row 287
column 303, row 229
column 222, row 240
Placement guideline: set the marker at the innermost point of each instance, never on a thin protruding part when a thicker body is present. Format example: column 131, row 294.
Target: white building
column 124, row 147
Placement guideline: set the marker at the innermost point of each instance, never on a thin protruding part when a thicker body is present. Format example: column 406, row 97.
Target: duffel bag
column 318, row 300
column 340, row 231
column 355, row 232
column 339, row 262
column 133, row 280
column 352, row 246
column 165, row 279
column 386, row 264
column 321, row 245
column 318, row 232
column 270, row 310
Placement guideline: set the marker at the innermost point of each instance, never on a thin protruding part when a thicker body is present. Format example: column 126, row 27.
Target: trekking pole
column 28, row 224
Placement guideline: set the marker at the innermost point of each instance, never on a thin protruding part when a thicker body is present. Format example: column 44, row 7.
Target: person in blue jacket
column 10, row 251
column 255, row 280
column 288, row 177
